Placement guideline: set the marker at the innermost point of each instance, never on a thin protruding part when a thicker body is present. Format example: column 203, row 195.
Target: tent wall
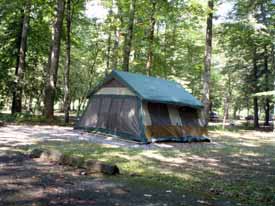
column 114, row 114
column 164, row 121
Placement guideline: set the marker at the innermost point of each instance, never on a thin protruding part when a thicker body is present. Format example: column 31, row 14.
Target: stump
column 93, row 166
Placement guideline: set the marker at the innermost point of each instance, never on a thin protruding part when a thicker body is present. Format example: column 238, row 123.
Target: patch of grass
column 237, row 166
column 27, row 118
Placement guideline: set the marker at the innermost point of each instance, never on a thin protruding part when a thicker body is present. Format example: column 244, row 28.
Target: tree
column 53, row 60
column 207, row 62
column 68, row 62
column 151, row 38
column 20, row 65
column 129, row 36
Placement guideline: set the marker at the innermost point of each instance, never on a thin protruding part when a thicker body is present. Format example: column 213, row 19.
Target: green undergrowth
column 28, row 118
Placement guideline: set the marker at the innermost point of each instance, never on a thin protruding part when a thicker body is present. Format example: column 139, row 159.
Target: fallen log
column 73, row 161
column 90, row 166
column 93, row 166
column 52, row 156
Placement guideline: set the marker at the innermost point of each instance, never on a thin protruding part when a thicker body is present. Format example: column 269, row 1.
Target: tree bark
column 273, row 67
column 108, row 54
column 266, row 71
column 151, row 38
column 255, row 99
column 20, row 65
column 267, row 101
column 68, row 63
column 129, row 36
column 52, row 67
column 207, row 63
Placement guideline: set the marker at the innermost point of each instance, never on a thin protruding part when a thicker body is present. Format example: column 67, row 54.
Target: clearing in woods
column 236, row 168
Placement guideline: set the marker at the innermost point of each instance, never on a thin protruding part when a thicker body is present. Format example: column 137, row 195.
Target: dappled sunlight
column 158, row 156
column 232, row 160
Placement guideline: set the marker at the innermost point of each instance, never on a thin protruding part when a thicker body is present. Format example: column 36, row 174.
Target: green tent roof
column 157, row 90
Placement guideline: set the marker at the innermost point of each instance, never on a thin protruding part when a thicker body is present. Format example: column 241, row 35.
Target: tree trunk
column 20, row 65
column 108, row 53
column 129, row 36
column 52, row 67
column 115, row 48
column 267, row 101
column 273, row 67
column 207, row 63
column 68, row 63
column 109, row 41
column 151, row 38
column 30, row 108
column 255, row 99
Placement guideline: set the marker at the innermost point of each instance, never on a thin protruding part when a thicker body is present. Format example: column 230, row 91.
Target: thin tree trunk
column 115, row 48
column 30, row 109
column 108, row 53
column 67, row 64
column 225, row 110
column 273, row 67
column 207, row 63
column 255, row 99
column 129, row 36
column 151, row 38
column 267, row 101
column 20, row 65
column 266, row 72
column 52, row 67
column 117, row 34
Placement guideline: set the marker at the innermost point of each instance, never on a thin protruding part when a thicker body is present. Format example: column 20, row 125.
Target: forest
column 64, row 140
column 52, row 53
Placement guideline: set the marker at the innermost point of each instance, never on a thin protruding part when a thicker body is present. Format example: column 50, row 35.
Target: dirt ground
column 28, row 182
column 25, row 181
column 232, row 159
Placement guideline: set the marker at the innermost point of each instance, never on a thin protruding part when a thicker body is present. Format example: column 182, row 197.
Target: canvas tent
column 143, row 108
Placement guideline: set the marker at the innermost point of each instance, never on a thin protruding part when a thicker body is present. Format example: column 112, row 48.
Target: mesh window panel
column 90, row 117
column 128, row 117
column 113, row 115
column 159, row 114
column 123, row 116
column 189, row 116
column 103, row 113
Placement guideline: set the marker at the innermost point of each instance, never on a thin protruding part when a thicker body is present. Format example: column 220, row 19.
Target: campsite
column 137, row 103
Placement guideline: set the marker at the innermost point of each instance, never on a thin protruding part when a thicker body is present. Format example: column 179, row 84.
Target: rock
column 93, row 166
column 35, row 153
column 52, row 156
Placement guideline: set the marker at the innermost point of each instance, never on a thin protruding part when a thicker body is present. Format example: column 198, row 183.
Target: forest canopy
column 52, row 53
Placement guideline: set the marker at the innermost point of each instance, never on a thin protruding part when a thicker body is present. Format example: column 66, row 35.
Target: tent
column 143, row 108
